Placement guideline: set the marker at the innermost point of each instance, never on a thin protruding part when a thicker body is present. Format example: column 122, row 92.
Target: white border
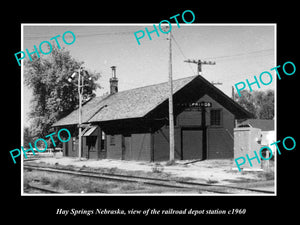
column 146, row 24
column 22, row 109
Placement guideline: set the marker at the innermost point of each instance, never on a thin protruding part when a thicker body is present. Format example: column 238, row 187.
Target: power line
column 178, row 46
column 84, row 35
column 225, row 57
column 102, row 34
column 182, row 53
column 240, row 54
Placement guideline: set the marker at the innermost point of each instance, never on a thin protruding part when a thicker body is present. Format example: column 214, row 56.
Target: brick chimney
column 113, row 81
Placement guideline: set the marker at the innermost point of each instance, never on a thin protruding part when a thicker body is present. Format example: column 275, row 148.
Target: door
column 126, row 147
column 66, row 146
column 192, row 145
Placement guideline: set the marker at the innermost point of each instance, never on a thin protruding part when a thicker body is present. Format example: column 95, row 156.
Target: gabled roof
column 219, row 96
column 133, row 103
column 138, row 102
column 264, row 125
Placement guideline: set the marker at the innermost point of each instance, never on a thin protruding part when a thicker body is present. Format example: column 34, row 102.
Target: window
column 215, row 117
column 103, row 142
column 112, row 140
column 73, row 143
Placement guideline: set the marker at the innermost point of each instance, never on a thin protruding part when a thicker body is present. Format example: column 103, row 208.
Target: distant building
column 133, row 124
column 264, row 125
column 268, row 135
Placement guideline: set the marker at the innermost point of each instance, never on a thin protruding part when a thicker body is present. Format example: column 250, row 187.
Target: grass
column 157, row 170
column 266, row 175
column 45, row 180
column 209, row 181
column 75, row 184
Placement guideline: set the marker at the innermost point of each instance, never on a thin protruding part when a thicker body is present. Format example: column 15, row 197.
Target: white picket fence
column 48, row 153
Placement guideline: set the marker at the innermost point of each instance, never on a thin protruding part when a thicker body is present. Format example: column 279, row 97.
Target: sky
column 239, row 50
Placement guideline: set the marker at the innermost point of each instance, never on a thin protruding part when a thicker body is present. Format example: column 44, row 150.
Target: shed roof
column 264, row 125
column 138, row 102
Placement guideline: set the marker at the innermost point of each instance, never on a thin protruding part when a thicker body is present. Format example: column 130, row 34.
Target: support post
column 204, row 131
column 79, row 116
column 171, row 116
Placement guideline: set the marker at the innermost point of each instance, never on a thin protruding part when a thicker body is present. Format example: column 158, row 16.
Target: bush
column 55, row 184
column 157, row 168
column 45, row 180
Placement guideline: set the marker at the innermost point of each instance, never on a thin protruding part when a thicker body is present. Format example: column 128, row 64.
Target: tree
column 53, row 96
column 259, row 103
column 28, row 138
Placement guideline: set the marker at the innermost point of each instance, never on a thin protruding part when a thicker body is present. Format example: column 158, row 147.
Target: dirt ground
column 221, row 172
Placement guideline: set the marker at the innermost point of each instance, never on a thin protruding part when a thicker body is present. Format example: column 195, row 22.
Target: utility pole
column 233, row 98
column 204, row 132
column 199, row 64
column 80, row 113
column 171, row 116
column 80, row 86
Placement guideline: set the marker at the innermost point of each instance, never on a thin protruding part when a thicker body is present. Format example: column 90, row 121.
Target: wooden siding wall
column 71, row 147
column 219, row 139
column 95, row 152
column 114, row 151
column 139, row 147
column 220, row 144
column 161, row 144
column 68, row 149
column 189, row 118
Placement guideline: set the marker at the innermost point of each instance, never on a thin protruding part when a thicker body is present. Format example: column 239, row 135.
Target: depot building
column 134, row 125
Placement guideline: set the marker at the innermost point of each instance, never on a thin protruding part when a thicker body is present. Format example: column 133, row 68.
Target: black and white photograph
column 98, row 102
column 132, row 112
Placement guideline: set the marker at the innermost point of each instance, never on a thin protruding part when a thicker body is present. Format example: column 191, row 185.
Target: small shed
column 246, row 141
column 251, row 135
column 268, row 135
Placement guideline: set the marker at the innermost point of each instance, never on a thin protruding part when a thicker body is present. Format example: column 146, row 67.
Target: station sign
column 191, row 106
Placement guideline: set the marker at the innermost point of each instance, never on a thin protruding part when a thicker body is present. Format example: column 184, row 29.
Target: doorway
column 192, row 144
column 126, row 147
